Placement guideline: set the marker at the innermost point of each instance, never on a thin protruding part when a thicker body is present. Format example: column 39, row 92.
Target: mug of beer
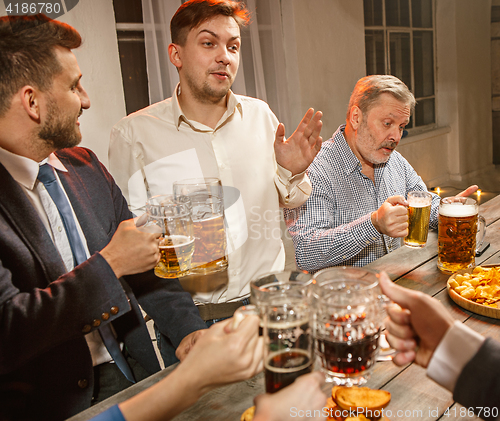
column 419, row 212
column 348, row 317
column 459, row 227
column 282, row 302
column 171, row 217
column 207, row 210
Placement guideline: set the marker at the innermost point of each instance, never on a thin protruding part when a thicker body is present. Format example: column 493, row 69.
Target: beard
column 59, row 131
column 368, row 140
column 206, row 93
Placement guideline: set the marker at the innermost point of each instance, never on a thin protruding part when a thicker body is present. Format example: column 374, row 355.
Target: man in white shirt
column 205, row 130
column 456, row 357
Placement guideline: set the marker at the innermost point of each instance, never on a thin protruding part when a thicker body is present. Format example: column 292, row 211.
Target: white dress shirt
column 25, row 172
column 456, row 349
column 156, row 146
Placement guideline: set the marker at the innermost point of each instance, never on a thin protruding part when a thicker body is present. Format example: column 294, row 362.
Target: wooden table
column 414, row 396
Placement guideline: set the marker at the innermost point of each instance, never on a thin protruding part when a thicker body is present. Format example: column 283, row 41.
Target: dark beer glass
column 348, row 312
column 282, row 301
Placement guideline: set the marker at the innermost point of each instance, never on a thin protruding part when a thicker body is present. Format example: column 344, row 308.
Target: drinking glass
column 283, row 304
column 348, row 317
column 172, row 217
column 459, row 227
column 419, row 212
column 207, row 210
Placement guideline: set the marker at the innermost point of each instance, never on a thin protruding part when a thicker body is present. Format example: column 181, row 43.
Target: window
column 130, row 32
column 399, row 40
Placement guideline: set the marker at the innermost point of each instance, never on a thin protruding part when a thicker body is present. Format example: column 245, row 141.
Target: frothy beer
column 419, row 212
column 457, row 236
column 175, row 256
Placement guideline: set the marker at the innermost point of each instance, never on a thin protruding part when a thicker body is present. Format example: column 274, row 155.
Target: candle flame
column 479, row 193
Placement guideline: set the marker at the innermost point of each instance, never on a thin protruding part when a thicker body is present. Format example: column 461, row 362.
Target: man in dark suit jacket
column 48, row 310
column 456, row 357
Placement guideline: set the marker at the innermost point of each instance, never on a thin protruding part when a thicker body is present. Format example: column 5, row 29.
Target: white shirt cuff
column 455, row 350
column 286, row 176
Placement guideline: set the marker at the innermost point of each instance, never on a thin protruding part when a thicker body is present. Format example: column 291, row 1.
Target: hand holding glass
column 173, row 219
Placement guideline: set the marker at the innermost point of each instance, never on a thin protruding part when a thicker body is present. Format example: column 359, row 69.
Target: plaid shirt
column 334, row 226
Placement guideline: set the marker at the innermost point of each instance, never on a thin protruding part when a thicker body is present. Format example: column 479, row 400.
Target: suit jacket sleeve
column 479, row 382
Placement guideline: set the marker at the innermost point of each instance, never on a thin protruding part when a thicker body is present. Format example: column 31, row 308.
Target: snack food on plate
column 248, row 414
column 482, row 286
column 357, row 404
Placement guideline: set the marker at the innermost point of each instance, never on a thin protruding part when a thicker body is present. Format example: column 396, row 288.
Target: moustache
column 389, row 145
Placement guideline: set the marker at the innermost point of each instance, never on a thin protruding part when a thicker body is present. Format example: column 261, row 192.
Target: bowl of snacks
column 477, row 290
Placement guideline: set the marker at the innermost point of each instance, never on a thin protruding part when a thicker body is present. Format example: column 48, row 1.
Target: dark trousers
column 108, row 379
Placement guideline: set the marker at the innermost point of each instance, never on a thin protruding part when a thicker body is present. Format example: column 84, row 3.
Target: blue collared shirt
column 334, row 226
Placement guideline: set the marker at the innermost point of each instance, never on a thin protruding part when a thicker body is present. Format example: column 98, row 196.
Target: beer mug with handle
column 349, row 309
column 207, row 208
column 459, row 227
column 283, row 304
column 419, row 212
column 171, row 217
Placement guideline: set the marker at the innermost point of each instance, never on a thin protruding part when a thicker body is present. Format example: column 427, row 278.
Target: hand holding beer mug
column 349, row 310
column 419, row 212
column 173, row 219
column 458, row 230
column 207, row 210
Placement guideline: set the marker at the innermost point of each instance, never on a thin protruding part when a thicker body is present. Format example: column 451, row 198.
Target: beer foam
column 457, row 209
column 177, row 241
column 419, row 202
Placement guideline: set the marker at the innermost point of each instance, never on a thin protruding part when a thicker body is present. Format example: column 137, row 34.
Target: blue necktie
column 47, row 176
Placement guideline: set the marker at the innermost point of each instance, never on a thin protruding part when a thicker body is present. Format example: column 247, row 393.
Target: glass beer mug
column 171, row 217
column 459, row 227
column 283, row 305
column 348, row 317
column 207, row 210
column 419, row 212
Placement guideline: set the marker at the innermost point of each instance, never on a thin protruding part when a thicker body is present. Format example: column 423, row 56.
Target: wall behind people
column 462, row 146
column 329, row 46
column 100, row 65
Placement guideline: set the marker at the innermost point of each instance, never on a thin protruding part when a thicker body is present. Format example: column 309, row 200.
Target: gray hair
column 369, row 88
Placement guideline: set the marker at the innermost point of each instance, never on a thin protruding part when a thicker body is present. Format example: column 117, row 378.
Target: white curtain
column 262, row 72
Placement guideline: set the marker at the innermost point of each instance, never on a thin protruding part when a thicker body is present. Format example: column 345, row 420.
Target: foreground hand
column 299, row 401
column 416, row 326
column 298, row 151
column 220, row 358
column 131, row 251
column 188, row 342
column 468, row 191
column 392, row 217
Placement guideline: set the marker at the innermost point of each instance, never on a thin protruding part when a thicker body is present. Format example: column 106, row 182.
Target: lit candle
column 478, row 196
column 438, row 191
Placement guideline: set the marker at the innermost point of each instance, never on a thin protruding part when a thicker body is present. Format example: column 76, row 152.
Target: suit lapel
column 24, row 220
column 81, row 201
